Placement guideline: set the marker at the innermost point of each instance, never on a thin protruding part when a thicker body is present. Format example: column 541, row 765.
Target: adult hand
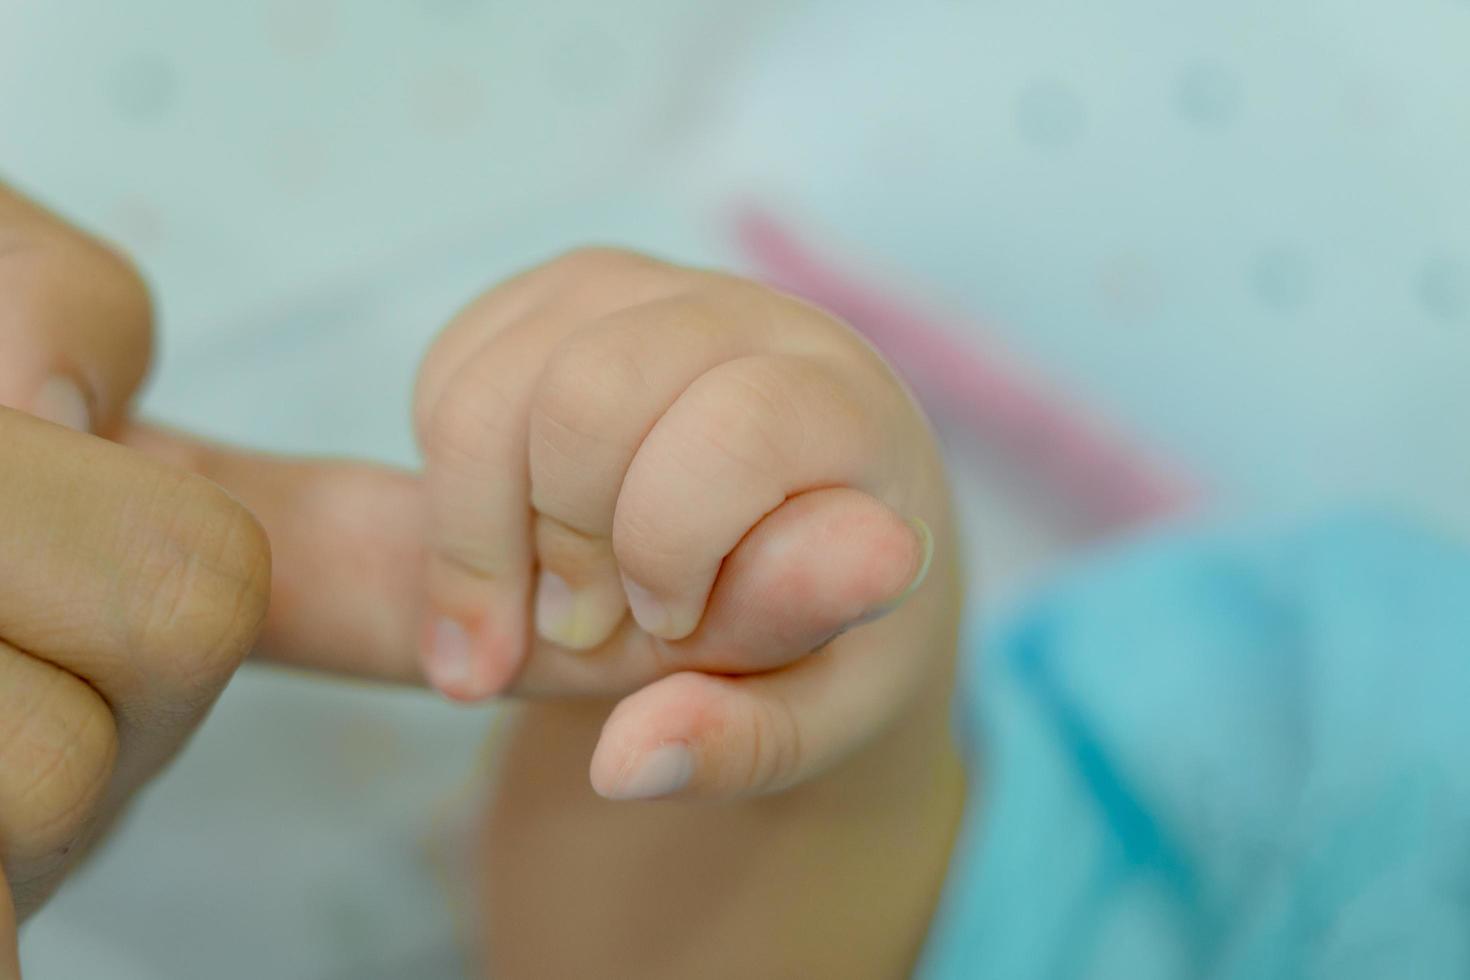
column 129, row 590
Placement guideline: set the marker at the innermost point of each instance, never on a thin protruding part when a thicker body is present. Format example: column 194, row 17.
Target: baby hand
column 678, row 488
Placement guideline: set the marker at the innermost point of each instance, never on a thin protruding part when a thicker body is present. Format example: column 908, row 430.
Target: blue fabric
column 1223, row 754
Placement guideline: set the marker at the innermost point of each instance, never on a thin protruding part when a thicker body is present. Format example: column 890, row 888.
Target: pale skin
column 737, row 468
column 651, row 497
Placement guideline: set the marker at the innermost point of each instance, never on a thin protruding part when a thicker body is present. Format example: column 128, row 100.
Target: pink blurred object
column 1099, row 477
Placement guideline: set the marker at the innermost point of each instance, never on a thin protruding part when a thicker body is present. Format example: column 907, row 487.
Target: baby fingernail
column 563, row 614
column 652, row 615
column 448, row 664
column 578, row 618
column 926, row 558
column 60, row 400
column 667, row 769
column 556, row 607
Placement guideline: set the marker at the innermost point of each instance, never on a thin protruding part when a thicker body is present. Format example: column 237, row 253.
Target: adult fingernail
column 666, row 769
column 448, row 665
column 60, row 400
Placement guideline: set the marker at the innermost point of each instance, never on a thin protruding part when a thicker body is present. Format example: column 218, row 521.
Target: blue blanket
column 1232, row 754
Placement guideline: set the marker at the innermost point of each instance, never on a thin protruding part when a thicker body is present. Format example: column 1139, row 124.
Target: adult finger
column 347, row 545
column 9, row 953
column 58, row 744
column 145, row 581
column 75, row 321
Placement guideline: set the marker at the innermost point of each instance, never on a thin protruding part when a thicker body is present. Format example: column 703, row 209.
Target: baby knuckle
column 467, row 422
column 452, row 354
column 775, row 750
column 436, row 368
column 588, row 263
column 758, row 386
column 645, row 545
column 573, row 555
column 744, row 417
column 692, row 708
column 586, row 382
column 703, row 709
column 594, row 279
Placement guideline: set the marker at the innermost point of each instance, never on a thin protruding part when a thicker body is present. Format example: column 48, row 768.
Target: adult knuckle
column 43, row 263
column 59, row 758
column 126, row 287
column 207, row 566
